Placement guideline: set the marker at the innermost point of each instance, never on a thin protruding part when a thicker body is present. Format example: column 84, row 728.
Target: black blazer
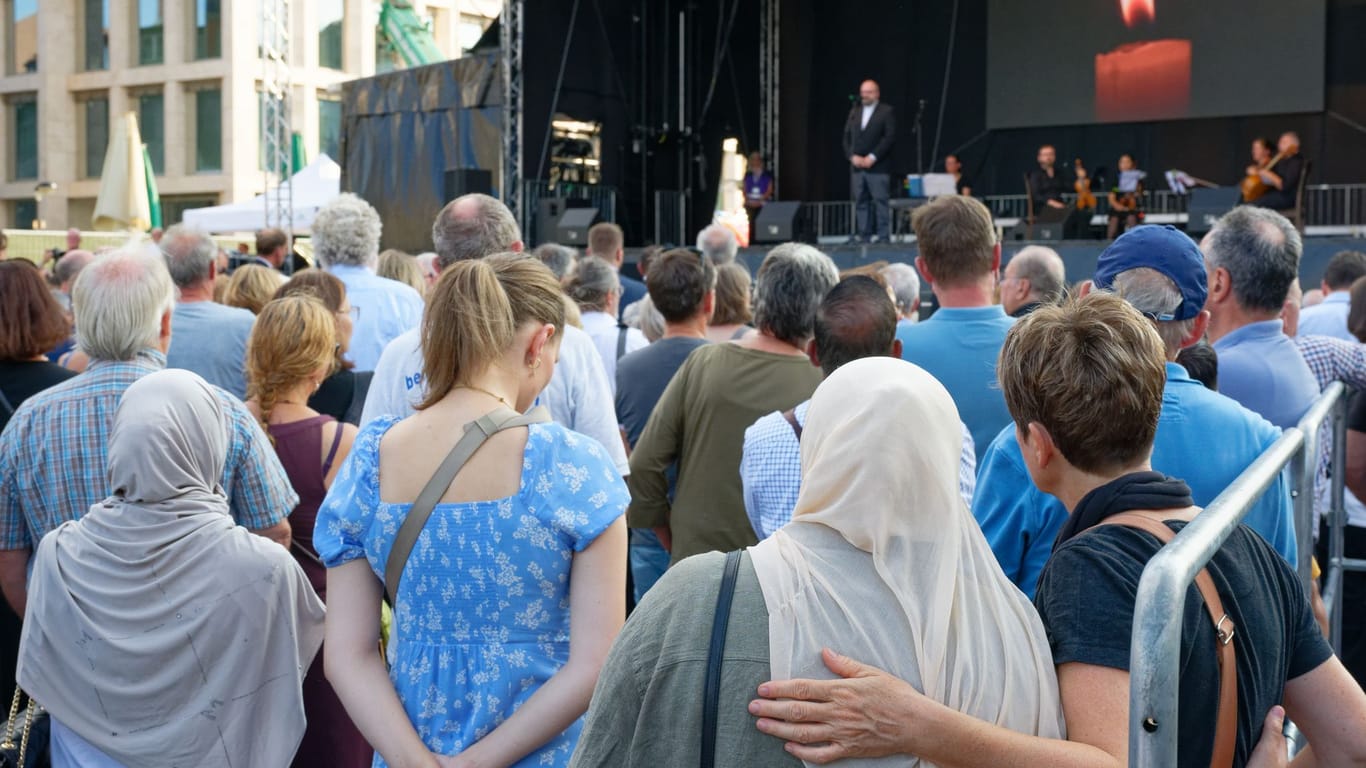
column 876, row 139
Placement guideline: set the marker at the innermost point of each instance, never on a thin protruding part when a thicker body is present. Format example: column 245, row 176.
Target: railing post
column 1338, row 521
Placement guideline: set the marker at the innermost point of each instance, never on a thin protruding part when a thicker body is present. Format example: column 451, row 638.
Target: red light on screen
column 1135, row 11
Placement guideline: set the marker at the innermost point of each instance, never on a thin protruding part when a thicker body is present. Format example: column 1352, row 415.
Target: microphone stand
column 919, row 152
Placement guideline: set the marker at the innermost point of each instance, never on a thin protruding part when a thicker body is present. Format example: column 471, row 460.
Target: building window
column 24, row 128
column 95, row 35
column 329, row 127
column 150, row 38
column 331, row 21
column 22, row 39
column 25, row 211
column 152, row 125
column 208, row 129
column 173, row 208
column 208, row 29
column 95, row 135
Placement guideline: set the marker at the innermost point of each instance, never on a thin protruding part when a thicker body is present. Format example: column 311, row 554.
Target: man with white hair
column 210, row 338
column 52, row 454
column 579, row 394
column 346, row 243
column 1033, row 278
column 718, row 243
column 905, row 284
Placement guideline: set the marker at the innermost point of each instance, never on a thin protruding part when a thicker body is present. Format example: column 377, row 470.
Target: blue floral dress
column 482, row 619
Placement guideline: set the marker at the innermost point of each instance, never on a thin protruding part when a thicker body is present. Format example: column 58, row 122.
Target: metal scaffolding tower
column 511, row 34
column 769, row 28
column 276, row 84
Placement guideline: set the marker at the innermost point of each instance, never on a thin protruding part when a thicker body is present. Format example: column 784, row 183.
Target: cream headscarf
column 883, row 562
column 157, row 629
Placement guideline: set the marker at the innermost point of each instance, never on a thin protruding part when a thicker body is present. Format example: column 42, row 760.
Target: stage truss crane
column 276, row 129
column 769, row 59
column 511, row 39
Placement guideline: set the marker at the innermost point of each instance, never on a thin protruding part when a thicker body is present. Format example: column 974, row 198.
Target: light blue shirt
column 959, row 347
column 1203, row 438
column 386, row 310
column 1328, row 318
column 210, row 339
column 771, row 470
column 1260, row 367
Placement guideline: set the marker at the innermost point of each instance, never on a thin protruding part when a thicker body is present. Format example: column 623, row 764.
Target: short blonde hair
column 252, row 286
column 475, row 311
column 402, row 267
column 293, row 337
column 1091, row 372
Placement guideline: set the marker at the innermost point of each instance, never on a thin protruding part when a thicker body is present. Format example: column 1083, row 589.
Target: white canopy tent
column 313, row 187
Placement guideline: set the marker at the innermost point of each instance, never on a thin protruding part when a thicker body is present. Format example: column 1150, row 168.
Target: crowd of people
column 396, row 510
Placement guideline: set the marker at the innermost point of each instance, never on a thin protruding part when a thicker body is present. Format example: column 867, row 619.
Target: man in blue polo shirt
column 1329, row 318
column 1253, row 255
column 959, row 344
column 1202, row 436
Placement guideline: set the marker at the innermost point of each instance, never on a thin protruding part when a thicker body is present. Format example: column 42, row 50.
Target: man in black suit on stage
column 868, row 136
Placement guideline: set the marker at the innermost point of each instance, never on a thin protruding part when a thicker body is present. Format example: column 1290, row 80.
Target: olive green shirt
column 647, row 707
column 700, row 424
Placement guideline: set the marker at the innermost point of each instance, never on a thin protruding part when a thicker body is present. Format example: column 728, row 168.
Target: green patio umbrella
column 298, row 160
column 153, row 197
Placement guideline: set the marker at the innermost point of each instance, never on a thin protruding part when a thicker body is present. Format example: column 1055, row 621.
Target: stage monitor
column 1071, row 62
column 572, row 228
column 777, row 222
column 1207, row 205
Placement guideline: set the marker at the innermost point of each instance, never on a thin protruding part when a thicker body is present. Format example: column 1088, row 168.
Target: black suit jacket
column 876, row 139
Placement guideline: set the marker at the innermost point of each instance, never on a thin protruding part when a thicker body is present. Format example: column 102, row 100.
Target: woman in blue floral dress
column 515, row 588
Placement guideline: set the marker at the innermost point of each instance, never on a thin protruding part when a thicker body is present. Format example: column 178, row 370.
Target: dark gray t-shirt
column 642, row 377
column 1086, row 599
column 647, row 707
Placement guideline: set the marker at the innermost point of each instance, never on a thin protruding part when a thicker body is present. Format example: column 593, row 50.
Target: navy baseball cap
column 1165, row 249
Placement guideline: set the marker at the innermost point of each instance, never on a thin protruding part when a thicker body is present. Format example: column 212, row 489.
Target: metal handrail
column 1155, row 645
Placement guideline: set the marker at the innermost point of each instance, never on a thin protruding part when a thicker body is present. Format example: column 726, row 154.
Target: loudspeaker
column 572, row 228
column 464, row 181
column 1207, row 205
column 777, row 222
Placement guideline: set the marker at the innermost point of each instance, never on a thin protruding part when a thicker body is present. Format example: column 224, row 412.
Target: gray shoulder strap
column 476, row 432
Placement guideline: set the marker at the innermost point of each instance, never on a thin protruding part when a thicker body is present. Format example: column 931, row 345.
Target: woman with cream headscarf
column 159, row 633
column 882, row 560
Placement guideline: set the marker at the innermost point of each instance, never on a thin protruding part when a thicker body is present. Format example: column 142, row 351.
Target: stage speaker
column 777, row 222
column 572, row 228
column 464, row 181
column 1207, row 204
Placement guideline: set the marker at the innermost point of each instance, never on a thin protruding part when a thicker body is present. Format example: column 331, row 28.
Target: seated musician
column 954, row 167
column 1126, row 198
column 1281, row 176
column 1046, row 184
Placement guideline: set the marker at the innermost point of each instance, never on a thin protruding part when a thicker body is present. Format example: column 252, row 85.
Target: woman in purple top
column 292, row 350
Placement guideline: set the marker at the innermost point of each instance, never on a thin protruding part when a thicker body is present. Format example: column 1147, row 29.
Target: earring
column 537, row 365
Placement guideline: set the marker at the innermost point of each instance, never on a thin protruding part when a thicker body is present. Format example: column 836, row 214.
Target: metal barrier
column 1155, row 647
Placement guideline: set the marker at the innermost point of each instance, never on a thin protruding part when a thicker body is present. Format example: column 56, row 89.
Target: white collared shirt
column 868, row 110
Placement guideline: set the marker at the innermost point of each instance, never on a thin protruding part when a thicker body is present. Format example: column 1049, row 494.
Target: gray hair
column 1154, row 294
column 71, row 264
column 119, row 300
column 593, row 283
column 1043, row 268
column 718, row 243
column 905, row 284
column 346, row 231
column 473, row 226
column 648, row 319
column 189, row 253
column 559, row 258
column 788, row 290
column 1261, row 251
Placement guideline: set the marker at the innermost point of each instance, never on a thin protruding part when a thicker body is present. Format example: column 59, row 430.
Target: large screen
column 1065, row 62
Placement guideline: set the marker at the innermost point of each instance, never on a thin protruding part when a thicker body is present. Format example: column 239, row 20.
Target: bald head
column 1041, row 276
column 869, row 93
column 73, row 239
column 856, row 319
column 474, row 226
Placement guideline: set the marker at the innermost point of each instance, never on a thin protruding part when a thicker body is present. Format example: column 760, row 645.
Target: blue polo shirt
column 1260, row 367
column 1328, row 318
column 1202, row 437
column 959, row 347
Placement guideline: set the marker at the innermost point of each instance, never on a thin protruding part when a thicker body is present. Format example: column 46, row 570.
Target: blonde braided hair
column 293, row 337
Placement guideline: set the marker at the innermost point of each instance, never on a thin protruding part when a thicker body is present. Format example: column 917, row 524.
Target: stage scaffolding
column 276, row 86
column 511, row 34
column 769, row 28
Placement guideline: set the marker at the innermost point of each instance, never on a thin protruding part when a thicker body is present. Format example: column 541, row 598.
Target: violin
column 1253, row 186
column 1086, row 199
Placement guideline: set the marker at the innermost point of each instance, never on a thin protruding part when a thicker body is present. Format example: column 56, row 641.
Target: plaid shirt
column 1330, row 360
column 52, row 455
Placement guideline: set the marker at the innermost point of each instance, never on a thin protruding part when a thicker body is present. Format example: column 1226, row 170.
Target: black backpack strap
column 790, row 415
column 622, row 330
column 712, row 689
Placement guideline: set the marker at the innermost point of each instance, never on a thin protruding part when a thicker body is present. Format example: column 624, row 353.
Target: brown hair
column 681, row 281
column 1064, row 367
column 957, row 238
column 31, row 320
column 325, row 287
column 267, row 240
column 251, row 287
column 474, row 312
column 604, row 239
column 732, row 295
column 291, row 339
column 872, row 271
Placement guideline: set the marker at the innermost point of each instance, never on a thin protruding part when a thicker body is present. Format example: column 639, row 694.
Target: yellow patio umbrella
column 123, row 202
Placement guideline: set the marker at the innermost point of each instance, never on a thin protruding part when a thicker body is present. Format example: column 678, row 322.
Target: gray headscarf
column 157, row 629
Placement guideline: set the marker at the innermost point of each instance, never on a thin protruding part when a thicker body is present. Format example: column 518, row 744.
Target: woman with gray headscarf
column 160, row 633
